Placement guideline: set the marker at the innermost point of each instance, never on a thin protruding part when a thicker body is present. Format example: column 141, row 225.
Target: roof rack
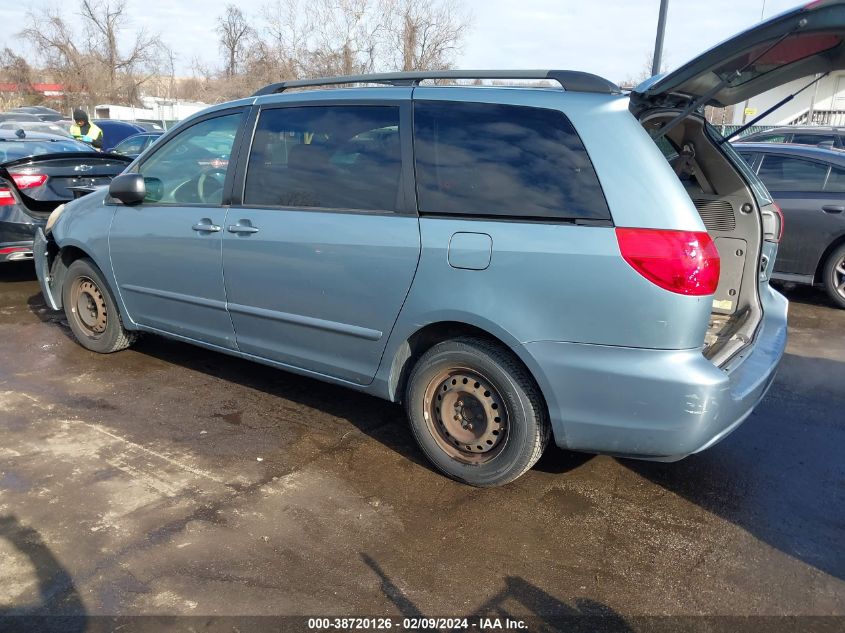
column 571, row 80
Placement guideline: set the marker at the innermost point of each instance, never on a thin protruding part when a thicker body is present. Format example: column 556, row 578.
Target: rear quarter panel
column 555, row 281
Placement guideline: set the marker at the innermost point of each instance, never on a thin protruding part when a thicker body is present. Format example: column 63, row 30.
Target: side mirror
column 128, row 188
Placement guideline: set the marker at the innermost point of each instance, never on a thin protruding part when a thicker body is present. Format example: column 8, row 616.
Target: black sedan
column 38, row 172
column 808, row 183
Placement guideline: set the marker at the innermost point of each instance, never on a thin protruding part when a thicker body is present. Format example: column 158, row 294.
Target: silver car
column 512, row 264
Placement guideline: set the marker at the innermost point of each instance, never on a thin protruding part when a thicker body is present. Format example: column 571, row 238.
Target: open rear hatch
column 805, row 42
column 799, row 43
column 45, row 181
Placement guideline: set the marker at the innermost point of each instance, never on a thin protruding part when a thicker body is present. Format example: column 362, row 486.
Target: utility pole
column 658, row 42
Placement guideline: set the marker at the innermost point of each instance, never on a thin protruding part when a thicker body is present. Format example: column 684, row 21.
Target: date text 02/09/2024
column 415, row 624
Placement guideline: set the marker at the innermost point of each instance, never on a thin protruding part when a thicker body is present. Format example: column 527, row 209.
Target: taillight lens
column 6, row 197
column 685, row 262
column 782, row 221
column 29, row 181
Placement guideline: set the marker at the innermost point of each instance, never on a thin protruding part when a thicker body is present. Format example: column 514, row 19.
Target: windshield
column 15, row 149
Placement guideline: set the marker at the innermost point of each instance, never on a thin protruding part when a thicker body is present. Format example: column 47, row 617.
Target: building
column 156, row 109
column 50, row 92
column 820, row 104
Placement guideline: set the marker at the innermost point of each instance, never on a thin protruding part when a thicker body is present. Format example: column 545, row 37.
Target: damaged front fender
column 49, row 268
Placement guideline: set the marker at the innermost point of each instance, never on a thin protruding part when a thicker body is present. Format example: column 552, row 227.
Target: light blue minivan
column 512, row 264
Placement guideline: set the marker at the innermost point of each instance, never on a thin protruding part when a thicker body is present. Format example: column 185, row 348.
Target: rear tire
column 833, row 276
column 91, row 310
column 475, row 412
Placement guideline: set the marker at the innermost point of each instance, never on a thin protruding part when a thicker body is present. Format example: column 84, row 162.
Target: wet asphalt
column 167, row 479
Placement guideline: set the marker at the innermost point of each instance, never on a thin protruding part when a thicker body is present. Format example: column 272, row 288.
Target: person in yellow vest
column 85, row 131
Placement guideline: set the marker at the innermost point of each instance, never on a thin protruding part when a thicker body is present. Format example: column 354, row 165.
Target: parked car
column 35, row 126
column 150, row 126
column 134, row 145
column 18, row 116
column 42, row 112
column 38, row 172
column 511, row 264
column 115, row 131
column 808, row 183
column 830, row 137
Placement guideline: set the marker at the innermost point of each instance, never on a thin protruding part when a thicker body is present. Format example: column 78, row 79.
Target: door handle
column 241, row 228
column 206, row 226
column 833, row 208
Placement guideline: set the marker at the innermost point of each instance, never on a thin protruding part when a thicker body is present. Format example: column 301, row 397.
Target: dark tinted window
column 836, row 180
column 813, row 139
column 132, row 145
column 487, row 159
column 766, row 138
column 771, row 55
column 748, row 158
column 344, row 157
column 784, row 173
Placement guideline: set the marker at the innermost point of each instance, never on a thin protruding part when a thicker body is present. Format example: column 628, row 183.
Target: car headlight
column 53, row 217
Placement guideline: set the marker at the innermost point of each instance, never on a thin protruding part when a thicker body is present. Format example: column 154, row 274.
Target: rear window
column 764, row 138
column 788, row 51
column 502, row 160
column 813, row 139
column 12, row 150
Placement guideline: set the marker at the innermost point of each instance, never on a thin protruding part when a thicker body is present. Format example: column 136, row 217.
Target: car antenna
column 20, row 133
column 780, row 103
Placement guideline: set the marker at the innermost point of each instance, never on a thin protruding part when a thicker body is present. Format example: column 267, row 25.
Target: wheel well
column 427, row 337
column 70, row 254
column 58, row 268
column 839, row 241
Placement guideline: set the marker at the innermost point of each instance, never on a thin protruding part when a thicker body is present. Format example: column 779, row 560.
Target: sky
column 612, row 38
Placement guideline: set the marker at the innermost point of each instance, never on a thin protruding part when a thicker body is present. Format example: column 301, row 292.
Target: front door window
column 192, row 167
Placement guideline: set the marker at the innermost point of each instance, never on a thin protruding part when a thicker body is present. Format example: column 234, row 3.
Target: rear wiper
column 780, row 103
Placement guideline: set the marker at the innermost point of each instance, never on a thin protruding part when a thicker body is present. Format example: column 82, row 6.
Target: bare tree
column 288, row 27
column 234, row 33
column 95, row 64
column 15, row 70
column 424, row 34
column 632, row 81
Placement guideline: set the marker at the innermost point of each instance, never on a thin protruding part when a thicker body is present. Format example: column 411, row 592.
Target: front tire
column 91, row 310
column 475, row 412
column 833, row 276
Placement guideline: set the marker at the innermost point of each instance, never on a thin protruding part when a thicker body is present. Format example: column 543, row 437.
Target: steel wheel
column 466, row 415
column 88, row 307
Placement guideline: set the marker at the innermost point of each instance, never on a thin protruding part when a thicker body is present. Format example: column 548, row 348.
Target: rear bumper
column 17, row 230
column 655, row 404
column 15, row 251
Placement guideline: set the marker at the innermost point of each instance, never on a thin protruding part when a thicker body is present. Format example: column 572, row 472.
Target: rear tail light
column 685, row 262
column 782, row 222
column 14, row 249
column 29, row 181
column 773, row 222
column 6, row 197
